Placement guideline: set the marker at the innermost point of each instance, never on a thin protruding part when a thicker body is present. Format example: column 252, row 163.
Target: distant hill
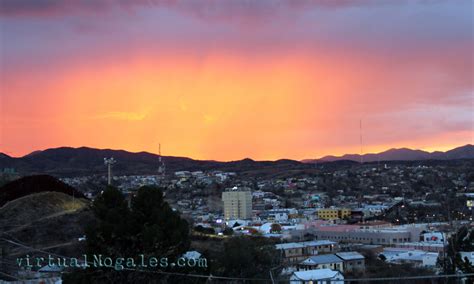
column 403, row 154
column 66, row 161
column 34, row 184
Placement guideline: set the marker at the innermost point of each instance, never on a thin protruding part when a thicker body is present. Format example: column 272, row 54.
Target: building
column 333, row 213
column 417, row 258
column 352, row 261
column 424, row 246
column 434, row 237
column 237, row 203
column 296, row 252
column 318, row 276
column 380, row 236
column 330, row 261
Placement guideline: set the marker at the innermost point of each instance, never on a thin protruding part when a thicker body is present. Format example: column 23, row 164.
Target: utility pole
column 109, row 162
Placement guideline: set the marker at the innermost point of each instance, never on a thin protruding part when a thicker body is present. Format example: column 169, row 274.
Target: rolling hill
column 67, row 161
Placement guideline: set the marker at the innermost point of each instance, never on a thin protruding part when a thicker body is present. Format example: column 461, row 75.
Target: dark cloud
column 204, row 9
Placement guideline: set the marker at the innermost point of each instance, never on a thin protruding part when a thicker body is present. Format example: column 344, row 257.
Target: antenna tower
column 360, row 136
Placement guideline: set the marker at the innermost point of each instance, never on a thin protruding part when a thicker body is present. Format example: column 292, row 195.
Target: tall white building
column 237, row 203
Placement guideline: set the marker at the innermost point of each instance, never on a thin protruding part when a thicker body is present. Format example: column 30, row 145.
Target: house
column 333, row 213
column 352, row 261
column 330, row 261
column 318, row 276
column 296, row 252
column 291, row 252
column 417, row 258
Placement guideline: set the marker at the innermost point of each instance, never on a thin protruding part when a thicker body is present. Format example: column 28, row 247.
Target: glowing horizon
column 266, row 81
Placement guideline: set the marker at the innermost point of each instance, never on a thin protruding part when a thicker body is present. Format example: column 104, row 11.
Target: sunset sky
column 226, row 80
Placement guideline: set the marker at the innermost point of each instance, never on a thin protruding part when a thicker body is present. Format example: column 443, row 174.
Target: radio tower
column 161, row 164
column 360, row 136
column 109, row 162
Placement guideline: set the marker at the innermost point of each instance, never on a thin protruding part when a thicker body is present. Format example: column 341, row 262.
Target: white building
column 317, row 276
column 416, row 257
column 237, row 203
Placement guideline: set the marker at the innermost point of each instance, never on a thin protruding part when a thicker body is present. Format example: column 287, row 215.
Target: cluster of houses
column 326, row 260
column 318, row 261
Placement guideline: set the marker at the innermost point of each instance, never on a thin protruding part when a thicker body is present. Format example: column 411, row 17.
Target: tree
column 228, row 231
column 149, row 227
column 160, row 230
column 462, row 240
column 247, row 257
column 203, row 230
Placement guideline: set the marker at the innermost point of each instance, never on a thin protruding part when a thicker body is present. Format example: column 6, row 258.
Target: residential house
column 296, row 252
column 330, row 261
column 352, row 261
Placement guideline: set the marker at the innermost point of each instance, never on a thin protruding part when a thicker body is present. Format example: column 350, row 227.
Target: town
column 325, row 222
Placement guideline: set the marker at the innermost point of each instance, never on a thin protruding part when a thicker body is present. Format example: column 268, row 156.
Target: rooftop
column 316, row 274
column 350, row 255
column 304, row 244
column 321, row 259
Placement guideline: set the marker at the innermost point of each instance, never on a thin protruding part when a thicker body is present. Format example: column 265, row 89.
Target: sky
column 227, row 80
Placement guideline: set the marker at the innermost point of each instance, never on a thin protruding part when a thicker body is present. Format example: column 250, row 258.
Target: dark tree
column 462, row 240
column 149, row 227
column 248, row 257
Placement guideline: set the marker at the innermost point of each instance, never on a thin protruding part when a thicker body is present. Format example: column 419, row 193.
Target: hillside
column 34, row 184
column 49, row 221
column 34, row 207
column 67, row 161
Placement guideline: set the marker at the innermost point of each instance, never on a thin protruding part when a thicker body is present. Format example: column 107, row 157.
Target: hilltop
column 34, row 184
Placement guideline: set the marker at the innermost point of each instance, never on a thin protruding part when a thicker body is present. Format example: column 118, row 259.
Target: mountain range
column 403, row 154
column 67, row 161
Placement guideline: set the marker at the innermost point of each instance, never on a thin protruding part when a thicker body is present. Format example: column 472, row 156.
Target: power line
column 262, row 279
column 11, row 276
column 148, row 271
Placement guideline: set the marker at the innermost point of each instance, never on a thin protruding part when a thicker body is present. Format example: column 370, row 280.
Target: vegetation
column 149, row 227
column 377, row 268
column 204, row 230
column 462, row 240
column 247, row 257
